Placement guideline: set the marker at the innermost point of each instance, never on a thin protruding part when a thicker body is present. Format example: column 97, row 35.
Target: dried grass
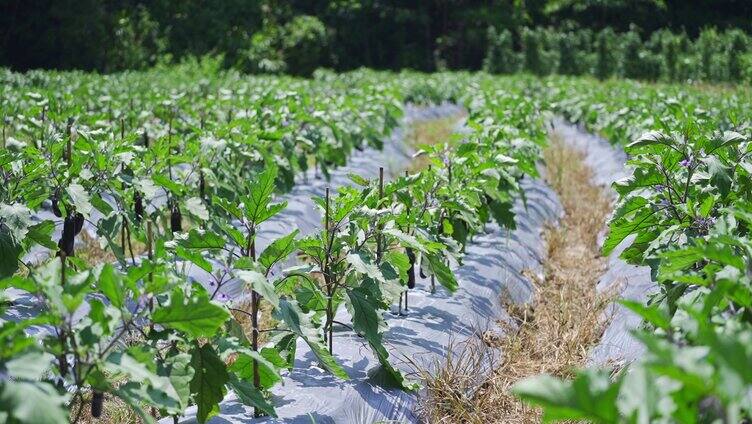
column 265, row 320
column 114, row 411
column 429, row 133
column 553, row 333
column 92, row 253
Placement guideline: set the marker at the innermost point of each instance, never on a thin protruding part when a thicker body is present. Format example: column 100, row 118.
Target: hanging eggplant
column 97, row 399
column 411, row 271
column 78, row 223
column 201, row 184
column 175, row 218
column 68, row 238
column 138, row 206
column 56, row 204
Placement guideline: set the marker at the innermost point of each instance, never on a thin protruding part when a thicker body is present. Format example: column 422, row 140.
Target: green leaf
column 169, row 185
column 405, row 240
column 707, row 206
column 80, row 199
column 111, row 284
column 261, row 190
column 503, row 213
column 633, row 216
column 251, row 396
column 202, row 239
column 258, row 283
column 196, row 316
column 10, row 250
column 300, row 324
column 591, row 396
column 16, row 218
column 29, row 366
column 196, row 207
column 32, row 402
column 207, row 385
column 364, row 266
column 367, row 322
column 720, row 175
column 41, row 234
column 442, row 272
column 101, row 205
column 650, row 138
column 278, row 250
column 195, row 257
column 650, row 313
column 178, row 368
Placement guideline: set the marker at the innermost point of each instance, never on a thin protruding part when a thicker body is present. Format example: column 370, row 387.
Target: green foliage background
column 298, row 36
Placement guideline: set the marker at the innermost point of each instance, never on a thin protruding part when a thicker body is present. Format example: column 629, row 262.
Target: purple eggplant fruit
column 176, row 219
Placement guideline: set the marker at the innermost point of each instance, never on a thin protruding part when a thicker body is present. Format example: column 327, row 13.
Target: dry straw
column 554, row 332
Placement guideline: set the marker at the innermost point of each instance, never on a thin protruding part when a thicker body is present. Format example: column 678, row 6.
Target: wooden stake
column 407, row 175
column 433, row 280
column 69, row 144
column 381, row 196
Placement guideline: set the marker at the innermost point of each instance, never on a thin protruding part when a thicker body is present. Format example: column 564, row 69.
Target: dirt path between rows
column 554, row 333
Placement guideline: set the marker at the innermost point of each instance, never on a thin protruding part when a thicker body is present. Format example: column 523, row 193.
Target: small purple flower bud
column 686, row 163
column 222, row 297
column 660, row 187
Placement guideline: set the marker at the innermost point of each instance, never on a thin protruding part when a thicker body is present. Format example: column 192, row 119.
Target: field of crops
column 149, row 253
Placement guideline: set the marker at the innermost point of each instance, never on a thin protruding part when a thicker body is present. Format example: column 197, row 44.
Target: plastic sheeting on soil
column 607, row 163
column 493, row 264
column 300, row 214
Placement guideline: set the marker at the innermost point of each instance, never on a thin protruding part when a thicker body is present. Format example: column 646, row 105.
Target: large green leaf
column 31, row 402
column 208, row 383
column 197, row 315
column 251, row 396
column 278, row 250
column 10, row 250
column 590, row 396
column 442, row 272
column 299, row 323
column 258, row 282
column 368, row 323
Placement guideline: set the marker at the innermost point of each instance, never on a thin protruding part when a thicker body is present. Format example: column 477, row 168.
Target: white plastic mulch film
column 493, row 264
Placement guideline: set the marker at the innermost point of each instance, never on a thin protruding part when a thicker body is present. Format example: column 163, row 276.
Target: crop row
column 172, row 171
column 684, row 213
column 176, row 170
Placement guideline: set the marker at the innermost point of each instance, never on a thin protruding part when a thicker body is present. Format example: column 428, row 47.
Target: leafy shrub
column 574, row 52
column 639, row 61
column 737, row 47
column 531, row 48
column 304, row 44
column 297, row 48
column 500, row 56
column 606, row 59
column 138, row 41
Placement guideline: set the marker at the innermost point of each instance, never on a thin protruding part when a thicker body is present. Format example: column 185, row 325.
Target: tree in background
column 138, row 42
column 109, row 35
column 737, row 47
column 297, row 47
column 532, row 52
column 500, row 56
column 606, row 60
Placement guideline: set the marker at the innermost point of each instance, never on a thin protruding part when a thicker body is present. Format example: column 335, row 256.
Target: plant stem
column 381, row 195
column 255, row 300
column 327, row 278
